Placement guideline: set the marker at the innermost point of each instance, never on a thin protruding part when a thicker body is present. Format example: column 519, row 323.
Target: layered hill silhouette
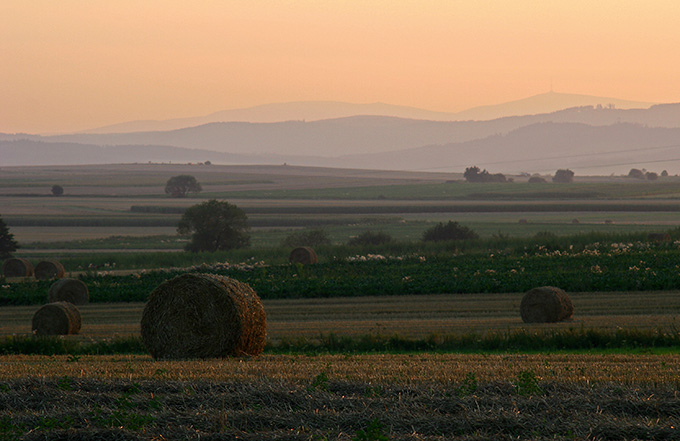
column 544, row 148
column 319, row 110
column 591, row 139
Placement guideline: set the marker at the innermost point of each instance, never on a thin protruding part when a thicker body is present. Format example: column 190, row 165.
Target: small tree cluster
column 308, row 238
column 474, row 174
column 564, row 176
column 449, row 231
column 370, row 238
column 644, row 174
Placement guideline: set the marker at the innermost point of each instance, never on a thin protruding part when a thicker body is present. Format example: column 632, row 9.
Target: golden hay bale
column 303, row 255
column 17, row 267
column 203, row 316
column 546, row 304
column 49, row 269
column 69, row 290
column 58, row 318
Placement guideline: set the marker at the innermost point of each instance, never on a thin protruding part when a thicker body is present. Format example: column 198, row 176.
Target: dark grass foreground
column 74, row 409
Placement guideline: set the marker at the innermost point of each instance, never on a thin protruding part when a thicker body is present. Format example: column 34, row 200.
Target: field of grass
column 102, row 232
column 344, row 201
column 481, row 191
column 427, row 345
column 410, row 317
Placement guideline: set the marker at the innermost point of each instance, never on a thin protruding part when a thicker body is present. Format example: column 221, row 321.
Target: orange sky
column 74, row 64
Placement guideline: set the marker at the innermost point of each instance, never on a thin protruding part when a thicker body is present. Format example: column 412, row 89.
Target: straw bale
column 17, row 267
column 303, row 255
column 49, row 269
column 58, row 318
column 203, row 316
column 546, row 304
column 69, row 290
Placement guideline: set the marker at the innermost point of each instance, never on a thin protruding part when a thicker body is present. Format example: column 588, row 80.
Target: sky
column 71, row 65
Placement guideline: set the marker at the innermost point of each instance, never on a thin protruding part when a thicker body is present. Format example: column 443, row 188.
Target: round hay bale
column 303, row 255
column 203, row 316
column 58, row 318
column 17, row 267
column 49, row 269
column 546, row 304
column 69, row 290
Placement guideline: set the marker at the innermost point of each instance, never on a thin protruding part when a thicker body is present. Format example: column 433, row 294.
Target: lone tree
column 215, row 225
column 563, row 176
column 449, row 231
column 7, row 243
column 179, row 186
column 57, row 190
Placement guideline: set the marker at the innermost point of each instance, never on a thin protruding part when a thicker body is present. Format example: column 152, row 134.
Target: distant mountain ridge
column 319, row 110
column 547, row 103
column 545, row 147
column 600, row 139
column 31, row 152
column 360, row 134
column 541, row 147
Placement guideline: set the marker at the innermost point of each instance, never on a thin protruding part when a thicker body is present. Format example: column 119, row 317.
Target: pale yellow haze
column 68, row 65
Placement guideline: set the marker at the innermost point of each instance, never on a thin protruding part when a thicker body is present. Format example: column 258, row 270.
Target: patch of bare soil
column 88, row 409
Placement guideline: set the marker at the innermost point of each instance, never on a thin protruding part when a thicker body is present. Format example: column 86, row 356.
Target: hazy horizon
column 74, row 65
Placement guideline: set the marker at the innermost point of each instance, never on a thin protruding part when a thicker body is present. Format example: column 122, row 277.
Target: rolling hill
column 319, row 110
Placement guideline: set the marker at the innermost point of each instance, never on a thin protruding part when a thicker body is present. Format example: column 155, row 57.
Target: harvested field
column 409, row 316
column 409, row 397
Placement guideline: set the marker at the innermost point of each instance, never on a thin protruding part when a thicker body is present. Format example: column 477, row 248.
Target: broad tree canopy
column 215, row 225
column 179, row 186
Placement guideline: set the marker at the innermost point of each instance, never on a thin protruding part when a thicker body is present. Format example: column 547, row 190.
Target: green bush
column 449, row 231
